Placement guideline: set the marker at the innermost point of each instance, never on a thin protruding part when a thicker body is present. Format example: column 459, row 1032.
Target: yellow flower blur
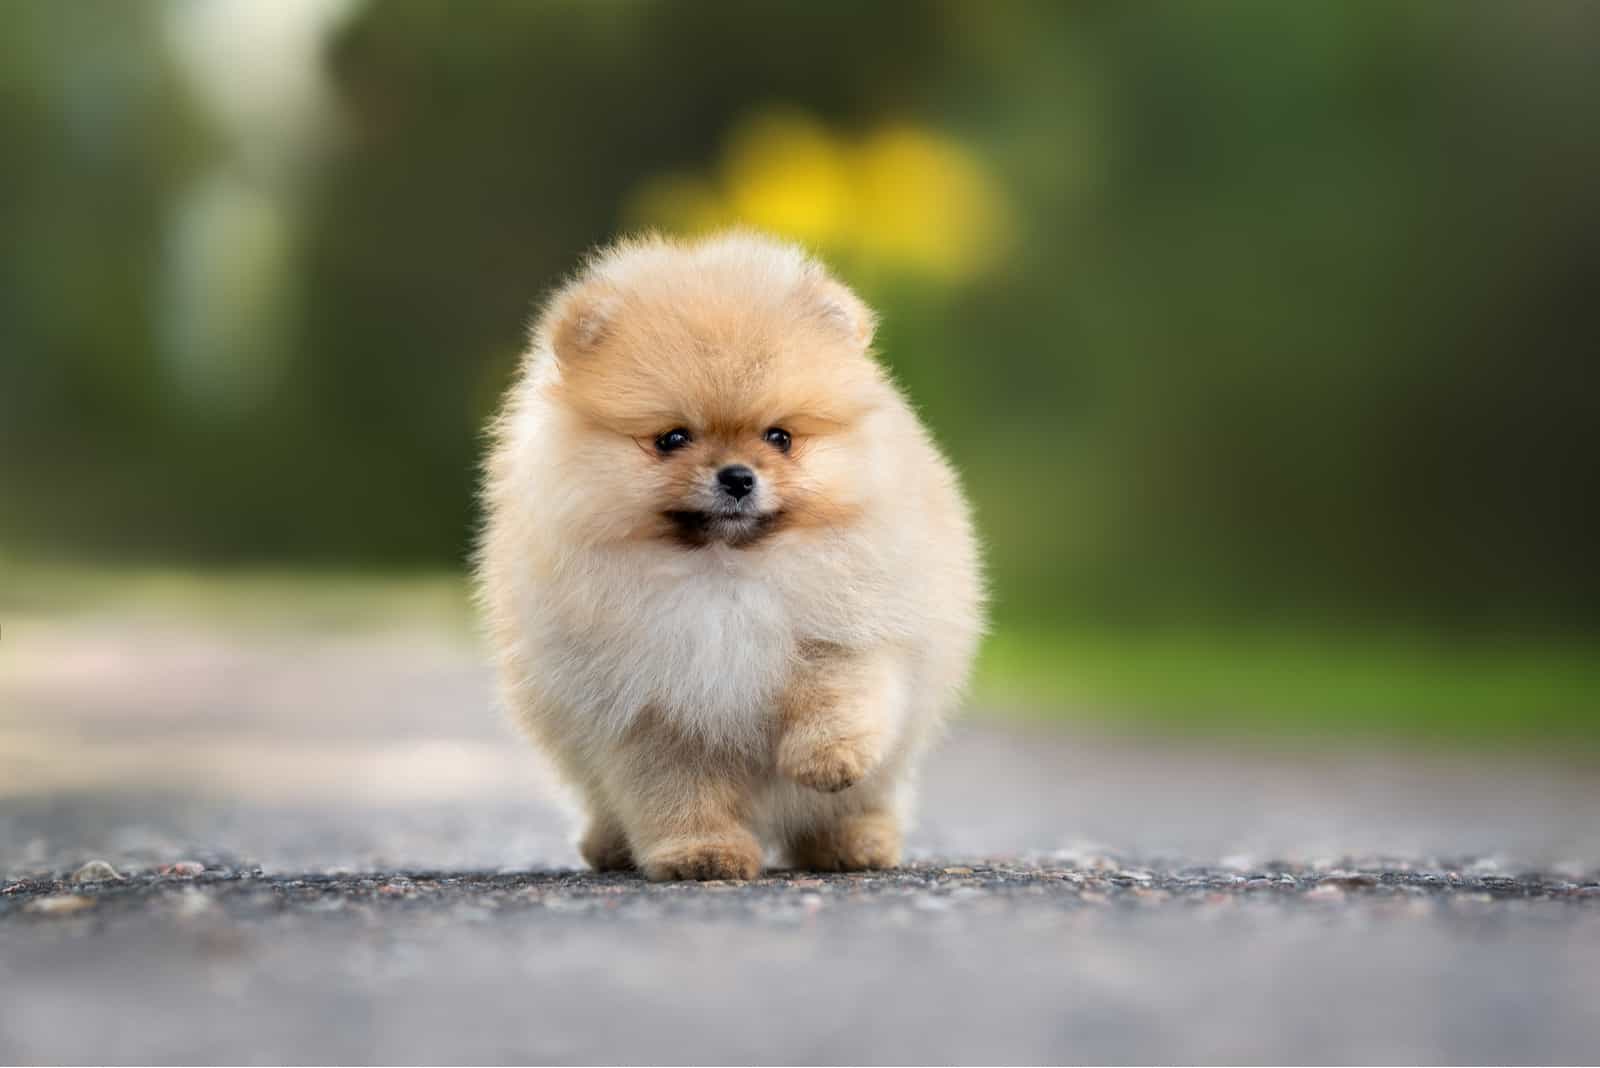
column 902, row 198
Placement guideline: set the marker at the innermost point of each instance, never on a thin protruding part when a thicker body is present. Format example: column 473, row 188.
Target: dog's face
column 714, row 397
column 724, row 483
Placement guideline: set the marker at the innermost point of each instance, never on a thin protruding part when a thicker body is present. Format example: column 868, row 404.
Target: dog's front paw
column 725, row 857
column 824, row 761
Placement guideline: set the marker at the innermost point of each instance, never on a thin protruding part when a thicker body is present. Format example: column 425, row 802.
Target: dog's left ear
column 835, row 303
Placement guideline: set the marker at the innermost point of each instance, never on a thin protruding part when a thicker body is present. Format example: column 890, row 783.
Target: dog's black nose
column 737, row 480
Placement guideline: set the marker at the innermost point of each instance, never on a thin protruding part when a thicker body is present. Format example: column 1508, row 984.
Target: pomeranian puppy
column 731, row 583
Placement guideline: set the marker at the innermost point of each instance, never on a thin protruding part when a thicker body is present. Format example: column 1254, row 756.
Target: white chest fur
column 704, row 637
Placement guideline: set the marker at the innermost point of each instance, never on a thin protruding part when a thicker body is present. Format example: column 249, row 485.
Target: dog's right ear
column 579, row 320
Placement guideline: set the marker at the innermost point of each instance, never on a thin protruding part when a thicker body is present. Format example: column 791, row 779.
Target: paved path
column 327, row 849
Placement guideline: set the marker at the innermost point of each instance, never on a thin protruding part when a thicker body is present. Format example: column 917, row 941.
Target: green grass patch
column 334, row 600
column 1479, row 690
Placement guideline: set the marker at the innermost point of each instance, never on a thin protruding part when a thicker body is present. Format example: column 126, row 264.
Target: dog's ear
column 579, row 320
column 835, row 303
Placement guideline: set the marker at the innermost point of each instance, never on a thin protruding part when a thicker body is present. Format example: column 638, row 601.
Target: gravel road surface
column 327, row 848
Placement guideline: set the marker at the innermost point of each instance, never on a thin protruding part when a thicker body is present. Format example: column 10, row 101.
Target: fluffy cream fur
column 711, row 676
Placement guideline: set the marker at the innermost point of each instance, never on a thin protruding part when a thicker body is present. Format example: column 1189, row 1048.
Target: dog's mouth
column 736, row 529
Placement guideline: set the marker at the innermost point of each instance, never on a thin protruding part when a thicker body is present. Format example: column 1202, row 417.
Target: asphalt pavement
column 236, row 845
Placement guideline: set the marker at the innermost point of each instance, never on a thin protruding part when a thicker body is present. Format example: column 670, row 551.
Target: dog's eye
column 673, row 440
column 778, row 438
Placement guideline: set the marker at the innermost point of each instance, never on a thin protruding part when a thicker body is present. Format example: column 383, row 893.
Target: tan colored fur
column 767, row 678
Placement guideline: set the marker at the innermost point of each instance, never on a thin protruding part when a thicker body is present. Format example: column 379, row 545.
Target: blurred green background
column 1262, row 333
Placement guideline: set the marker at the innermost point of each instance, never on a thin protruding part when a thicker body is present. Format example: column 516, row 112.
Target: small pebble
column 957, row 871
column 184, row 869
column 95, row 871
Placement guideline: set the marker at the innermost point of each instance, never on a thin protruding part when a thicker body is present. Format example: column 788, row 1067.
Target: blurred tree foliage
column 1293, row 318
